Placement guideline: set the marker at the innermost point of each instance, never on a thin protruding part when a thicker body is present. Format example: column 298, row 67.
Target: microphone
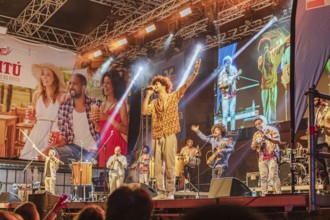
column 148, row 88
column 209, row 136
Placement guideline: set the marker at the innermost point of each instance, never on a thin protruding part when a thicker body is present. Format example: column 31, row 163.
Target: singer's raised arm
column 184, row 87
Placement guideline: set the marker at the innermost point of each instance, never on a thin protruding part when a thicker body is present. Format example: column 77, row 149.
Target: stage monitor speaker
column 8, row 197
column 44, row 202
column 149, row 189
column 229, row 186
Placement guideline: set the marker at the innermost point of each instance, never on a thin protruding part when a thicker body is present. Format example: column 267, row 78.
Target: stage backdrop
column 312, row 50
column 16, row 60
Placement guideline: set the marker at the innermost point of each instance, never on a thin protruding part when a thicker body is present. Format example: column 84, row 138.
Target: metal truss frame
column 34, row 16
column 50, row 35
column 99, row 35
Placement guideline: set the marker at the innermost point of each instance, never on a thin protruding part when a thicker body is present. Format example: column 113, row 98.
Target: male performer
column 227, row 84
column 165, row 124
column 76, row 127
column 221, row 147
column 268, row 62
column 322, row 114
column 265, row 141
column 144, row 162
column 117, row 164
column 51, row 167
column 188, row 152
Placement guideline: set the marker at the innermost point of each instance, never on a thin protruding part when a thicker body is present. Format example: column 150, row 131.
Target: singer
column 74, row 122
column 268, row 62
column 116, row 164
column 51, row 167
column 265, row 141
column 222, row 148
column 165, row 124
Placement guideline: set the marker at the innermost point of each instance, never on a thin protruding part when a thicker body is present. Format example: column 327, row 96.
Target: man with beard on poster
column 77, row 130
column 165, row 124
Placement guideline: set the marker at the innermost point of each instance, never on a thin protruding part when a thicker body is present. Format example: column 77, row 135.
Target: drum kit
column 299, row 163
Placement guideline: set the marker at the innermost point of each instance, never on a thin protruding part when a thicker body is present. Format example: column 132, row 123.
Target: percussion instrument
column 304, row 138
column 179, row 164
column 285, row 173
column 83, row 170
column 193, row 162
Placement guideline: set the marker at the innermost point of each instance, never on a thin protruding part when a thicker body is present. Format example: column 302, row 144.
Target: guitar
column 224, row 89
column 213, row 158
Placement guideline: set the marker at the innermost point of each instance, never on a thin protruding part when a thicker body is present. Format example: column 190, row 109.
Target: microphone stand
column 200, row 150
column 104, row 147
column 80, row 170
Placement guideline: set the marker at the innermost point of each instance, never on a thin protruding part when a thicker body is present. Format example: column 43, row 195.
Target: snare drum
column 83, row 169
column 179, row 164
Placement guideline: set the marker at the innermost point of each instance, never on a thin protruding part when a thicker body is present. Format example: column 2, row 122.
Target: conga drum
column 179, row 164
column 82, row 173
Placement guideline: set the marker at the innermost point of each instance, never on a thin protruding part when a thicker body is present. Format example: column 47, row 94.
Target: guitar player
column 219, row 143
column 227, row 80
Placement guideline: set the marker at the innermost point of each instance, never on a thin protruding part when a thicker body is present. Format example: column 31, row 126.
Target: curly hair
column 165, row 81
column 118, row 83
column 262, row 43
column 221, row 127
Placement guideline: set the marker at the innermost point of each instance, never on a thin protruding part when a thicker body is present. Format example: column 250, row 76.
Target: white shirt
column 82, row 135
column 118, row 169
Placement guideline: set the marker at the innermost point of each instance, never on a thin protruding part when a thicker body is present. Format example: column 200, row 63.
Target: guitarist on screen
column 227, row 80
column 220, row 145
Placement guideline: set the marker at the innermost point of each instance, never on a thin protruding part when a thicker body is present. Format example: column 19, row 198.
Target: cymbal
column 283, row 143
column 304, row 138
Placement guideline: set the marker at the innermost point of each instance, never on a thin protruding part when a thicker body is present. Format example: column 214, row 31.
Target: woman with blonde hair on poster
column 46, row 101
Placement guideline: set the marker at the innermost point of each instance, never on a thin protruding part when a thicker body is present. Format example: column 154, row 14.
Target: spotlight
column 122, row 42
column 97, row 53
column 140, row 68
column 190, row 65
column 168, row 41
column 150, row 28
column 185, row 12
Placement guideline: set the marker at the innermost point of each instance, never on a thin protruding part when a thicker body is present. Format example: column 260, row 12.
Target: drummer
column 189, row 152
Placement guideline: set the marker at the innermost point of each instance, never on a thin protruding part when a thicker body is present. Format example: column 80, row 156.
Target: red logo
column 311, row 4
column 5, row 50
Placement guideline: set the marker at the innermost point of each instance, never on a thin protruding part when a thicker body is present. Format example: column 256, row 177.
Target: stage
column 294, row 206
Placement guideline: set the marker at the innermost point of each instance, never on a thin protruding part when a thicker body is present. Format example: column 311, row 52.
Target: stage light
column 140, row 68
column 185, row 12
column 97, row 53
column 122, row 42
column 192, row 62
column 102, row 69
column 150, row 28
column 168, row 41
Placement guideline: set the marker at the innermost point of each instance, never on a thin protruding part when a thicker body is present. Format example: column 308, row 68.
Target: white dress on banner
column 45, row 120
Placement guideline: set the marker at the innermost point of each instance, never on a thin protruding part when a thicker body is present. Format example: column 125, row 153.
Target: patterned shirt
column 265, row 148
column 228, row 79
column 65, row 118
column 165, row 115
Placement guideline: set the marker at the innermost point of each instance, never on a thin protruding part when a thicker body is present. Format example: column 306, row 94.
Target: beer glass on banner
column 55, row 133
column 30, row 114
column 94, row 110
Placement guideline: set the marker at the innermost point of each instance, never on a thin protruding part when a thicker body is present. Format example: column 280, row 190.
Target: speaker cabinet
column 44, row 202
column 229, row 186
column 149, row 189
column 8, row 197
